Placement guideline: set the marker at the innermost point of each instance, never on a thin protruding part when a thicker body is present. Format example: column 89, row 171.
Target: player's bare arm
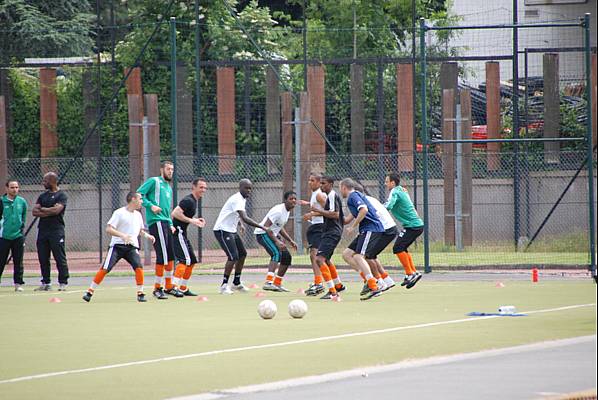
column 269, row 232
column 245, row 218
column 112, row 231
column 39, row 211
column 360, row 216
column 178, row 214
column 325, row 213
column 288, row 238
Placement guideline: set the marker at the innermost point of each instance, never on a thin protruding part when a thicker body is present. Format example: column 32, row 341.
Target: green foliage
column 24, row 108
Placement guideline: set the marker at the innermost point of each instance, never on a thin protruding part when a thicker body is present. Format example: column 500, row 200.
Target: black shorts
column 365, row 243
column 405, row 238
column 118, row 251
column 231, row 244
column 163, row 244
column 314, row 235
column 183, row 251
column 327, row 245
column 280, row 256
column 381, row 242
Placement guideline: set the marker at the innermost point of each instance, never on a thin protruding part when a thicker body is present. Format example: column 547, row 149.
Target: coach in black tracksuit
column 49, row 208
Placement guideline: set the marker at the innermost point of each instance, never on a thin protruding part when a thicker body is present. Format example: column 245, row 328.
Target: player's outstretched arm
column 245, row 218
column 288, row 238
column 360, row 216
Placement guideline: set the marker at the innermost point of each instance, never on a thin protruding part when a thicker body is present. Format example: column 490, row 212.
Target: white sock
column 388, row 280
column 139, row 288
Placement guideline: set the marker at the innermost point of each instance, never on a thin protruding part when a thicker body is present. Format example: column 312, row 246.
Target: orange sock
column 362, row 276
column 179, row 271
column 327, row 278
column 334, row 276
column 411, row 264
column 384, row 275
column 139, row 279
column 372, row 284
column 100, row 276
column 404, row 259
column 169, row 269
column 159, row 275
column 278, row 280
column 376, row 275
column 318, row 279
column 186, row 275
column 270, row 277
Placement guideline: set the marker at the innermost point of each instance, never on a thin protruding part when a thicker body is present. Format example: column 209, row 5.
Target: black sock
column 237, row 279
column 225, row 279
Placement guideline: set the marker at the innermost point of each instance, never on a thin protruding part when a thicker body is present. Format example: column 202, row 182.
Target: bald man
column 225, row 230
column 49, row 208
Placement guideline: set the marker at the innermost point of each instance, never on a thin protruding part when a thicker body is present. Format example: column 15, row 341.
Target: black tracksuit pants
column 52, row 242
column 14, row 247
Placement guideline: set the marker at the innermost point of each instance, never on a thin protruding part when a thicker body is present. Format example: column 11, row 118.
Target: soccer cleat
column 62, row 287
column 87, row 296
column 159, row 294
column 175, row 292
column 365, row 290
column 329, row 296
column 381, row 285
column 414, row 279
column 224, row 289
column 240, row 288
column 280, row 288
column 370, row 294
column 189, row 293
column 269, row 286
column 314, row 290
column 390, row 283
column 44, row 287
column 141, row 298
column 340, row 288
column 19, row 288
column 405, row 281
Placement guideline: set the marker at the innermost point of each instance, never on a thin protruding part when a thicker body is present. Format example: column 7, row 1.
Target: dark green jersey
column 12, row 217
column 156, row 192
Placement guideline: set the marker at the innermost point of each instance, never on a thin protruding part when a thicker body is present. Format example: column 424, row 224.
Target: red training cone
column 202, row 298
column 55, row 300
column 253, row 286
column 260, row 294
column 500, row 284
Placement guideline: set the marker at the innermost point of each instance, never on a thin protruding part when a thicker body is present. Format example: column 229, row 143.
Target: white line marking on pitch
column 359, row 372
column 41, row 293
column 280, row 344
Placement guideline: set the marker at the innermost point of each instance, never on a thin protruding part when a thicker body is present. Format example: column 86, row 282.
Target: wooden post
column 3, row 142
column 153, row 119
column 135, row 141
column 317, row 97
column 91, row 148
column 6, row 91
column 225, row 98
column 552, row 120
column 466, row 168
column 493, row 127
column 273, row 133
column 286, row 101
column 448, row 164
column 357, row 110
column 48, row 112
column 405, row 116
column 184, row 123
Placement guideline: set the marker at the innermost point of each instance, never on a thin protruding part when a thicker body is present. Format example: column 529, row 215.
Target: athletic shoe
column 415, row 278
column 189, row 293
column 340, row 288
column 62, row 287
column 381, row 285
column 44, row 287
column 269, row 286
column 314, row 290
column 240, row 288
column 280, row 288
column 159, row 294
column 390, row 283
column 87, row 296
column 365, row 290
column 329, row 296
column 141, row 298
column 175, row 292
column 370, row 294
column 406, row 280
column 19, row 288
column 224, row 289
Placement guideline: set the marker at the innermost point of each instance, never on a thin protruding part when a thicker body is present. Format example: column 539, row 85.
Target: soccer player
column 225, row 230
column 182, row 216
column 371, row 231
column 49, row 208
column 400, row 205
column 13, row 213
column 314, row 231
column 331, row 236
column 272, row 241
column 157, row 200
column 125, row 226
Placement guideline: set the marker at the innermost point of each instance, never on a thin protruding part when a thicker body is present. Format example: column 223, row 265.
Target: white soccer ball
column 267, row 309
column 297, row 308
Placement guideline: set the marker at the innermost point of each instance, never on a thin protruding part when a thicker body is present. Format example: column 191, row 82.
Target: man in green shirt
column 12, row 221
column 401, row 207
column 157, row 201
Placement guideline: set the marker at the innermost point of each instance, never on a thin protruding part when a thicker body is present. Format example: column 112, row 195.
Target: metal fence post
column 516, row 178
column 297, row 210
column 198, row 125
column 459, row 181
column 173, row 106
column 147, row 247
column 380, row 123
column 422, row 39
column 590, row 150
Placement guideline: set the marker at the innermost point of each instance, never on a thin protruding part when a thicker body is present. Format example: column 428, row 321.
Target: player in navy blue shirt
column 370, row 229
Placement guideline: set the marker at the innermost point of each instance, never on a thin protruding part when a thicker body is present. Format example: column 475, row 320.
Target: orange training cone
column 55, row 300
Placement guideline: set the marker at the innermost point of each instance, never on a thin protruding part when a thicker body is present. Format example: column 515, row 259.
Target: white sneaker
column 381, row 284
column 19, row 288
column 240, row 288
column 224, row 289
column 390, row 283
column 62, row 287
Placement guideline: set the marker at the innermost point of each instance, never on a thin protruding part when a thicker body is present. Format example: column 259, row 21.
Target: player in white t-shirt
column 273, row 242
column 225, row 230
column 125, row 226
